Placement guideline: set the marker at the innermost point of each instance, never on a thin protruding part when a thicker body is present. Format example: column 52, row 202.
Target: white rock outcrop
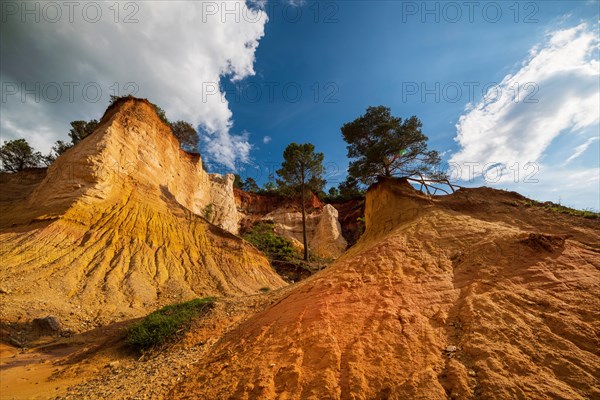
column 324, row 232
column 224, row 208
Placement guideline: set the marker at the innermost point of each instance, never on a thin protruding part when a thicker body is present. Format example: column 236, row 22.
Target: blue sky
column 539, row 137
column 369, row 56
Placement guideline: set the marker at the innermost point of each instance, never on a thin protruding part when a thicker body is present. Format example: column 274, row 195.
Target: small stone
column 4, row 290
column 271, row 365
column 472, row 373
column 49, row 325
column 451, row 349
column 113, row 364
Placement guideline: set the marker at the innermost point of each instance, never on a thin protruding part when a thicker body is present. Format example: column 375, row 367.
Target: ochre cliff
column 132, row 146
column 323, row 229
column 115, row 228
column 471, row 295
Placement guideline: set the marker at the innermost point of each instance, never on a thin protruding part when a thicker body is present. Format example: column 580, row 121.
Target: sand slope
column 473, row 295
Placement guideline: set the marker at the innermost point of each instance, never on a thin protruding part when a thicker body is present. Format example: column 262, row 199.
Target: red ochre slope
column 112, row 230
column 472, row 295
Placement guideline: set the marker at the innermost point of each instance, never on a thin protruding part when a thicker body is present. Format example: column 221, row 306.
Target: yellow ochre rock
column 116, row 228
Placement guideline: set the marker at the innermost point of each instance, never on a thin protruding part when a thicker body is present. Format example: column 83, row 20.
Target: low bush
column 567, row 210
column 558, row 208
column 161, row 325
column 285, row 259
column 276, row 248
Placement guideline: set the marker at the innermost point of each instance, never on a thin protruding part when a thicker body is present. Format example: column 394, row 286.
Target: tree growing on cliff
column 237, row 181
column 248, row 185
column 60, row 147
column 81, row 129
column 16, row 155
column 57, row 150
column 350, row 188
column 270, row 187
column 380, row 144
column 187, row 135
column 302, row 171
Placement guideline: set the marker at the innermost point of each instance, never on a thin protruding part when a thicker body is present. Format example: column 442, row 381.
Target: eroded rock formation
column 115, row 228
column 471, row 295
column 323, row 229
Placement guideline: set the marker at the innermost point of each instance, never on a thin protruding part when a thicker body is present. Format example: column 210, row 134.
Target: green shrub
column 162, row 324
column 558, row 208
column 276, row 248
column 567, row 210
column 208, row 212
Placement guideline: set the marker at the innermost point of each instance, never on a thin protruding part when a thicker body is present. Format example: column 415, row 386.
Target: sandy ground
column 97, row 364
column 477, row 295
column 474, row 295
column 38, row 372
column 28, row 375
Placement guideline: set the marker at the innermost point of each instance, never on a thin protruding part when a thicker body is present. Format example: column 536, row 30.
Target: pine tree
column 302, row 170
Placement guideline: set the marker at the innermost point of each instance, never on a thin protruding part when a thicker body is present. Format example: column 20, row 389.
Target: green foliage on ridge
column 162, row 325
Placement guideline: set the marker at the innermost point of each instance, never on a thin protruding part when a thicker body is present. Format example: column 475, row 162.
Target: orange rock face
column 472, row 295
column 115, row 228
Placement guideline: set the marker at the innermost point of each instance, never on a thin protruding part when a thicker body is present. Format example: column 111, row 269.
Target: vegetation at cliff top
column 16, row 155
column 302, row 170
column 559, row 208
column 275, row 247
column 186, row 134
column 161, row 325
column 247, row 185
column 380, row 144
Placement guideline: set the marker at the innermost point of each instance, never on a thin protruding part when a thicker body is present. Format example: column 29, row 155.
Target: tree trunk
column 386, row 167
column 304, row 222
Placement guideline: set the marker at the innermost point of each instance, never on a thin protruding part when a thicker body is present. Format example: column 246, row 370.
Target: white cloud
column 296, row 3
column 579, row 150
column 515, row 129
column 227, row 149
column 555, row 91
column 267, row 139
column 175, row 56
column 572, row 187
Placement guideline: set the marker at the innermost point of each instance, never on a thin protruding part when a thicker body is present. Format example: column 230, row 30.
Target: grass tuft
column 558, row 208
column 161, row 325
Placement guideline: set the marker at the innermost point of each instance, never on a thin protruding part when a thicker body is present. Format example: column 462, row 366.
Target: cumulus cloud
column 558, row 92
column 267, row 139
column 554, row 92
column 173, row 53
